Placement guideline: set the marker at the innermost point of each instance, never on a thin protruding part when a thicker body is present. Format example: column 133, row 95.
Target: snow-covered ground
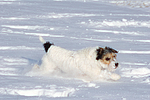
column 74, row 24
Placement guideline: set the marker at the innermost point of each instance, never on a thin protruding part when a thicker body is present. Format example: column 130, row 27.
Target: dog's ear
column 111, row 49
column 100, row 52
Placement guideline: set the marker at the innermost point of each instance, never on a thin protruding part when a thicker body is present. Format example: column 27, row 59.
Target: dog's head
column 107, row 57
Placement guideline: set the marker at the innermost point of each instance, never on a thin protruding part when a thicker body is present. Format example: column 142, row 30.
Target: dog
column 89, row 64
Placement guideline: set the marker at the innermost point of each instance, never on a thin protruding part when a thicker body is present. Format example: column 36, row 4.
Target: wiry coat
column 83, row 64
column 80, row 62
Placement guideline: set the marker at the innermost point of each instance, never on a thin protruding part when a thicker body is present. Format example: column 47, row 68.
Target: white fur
column 80, row 64
column 42, row 40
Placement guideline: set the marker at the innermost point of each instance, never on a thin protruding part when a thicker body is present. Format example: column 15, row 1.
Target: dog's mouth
column 116, row 67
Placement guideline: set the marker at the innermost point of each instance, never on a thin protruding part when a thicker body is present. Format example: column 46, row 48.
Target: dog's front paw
column 115, row 76
column 36, row 66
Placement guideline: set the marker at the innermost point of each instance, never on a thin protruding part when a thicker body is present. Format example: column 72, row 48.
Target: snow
column 74, row 24
column 55, row 92
column 136, row 72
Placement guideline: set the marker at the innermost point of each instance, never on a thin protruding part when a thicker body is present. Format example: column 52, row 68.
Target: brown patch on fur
column 108, row 58
column 102, row 52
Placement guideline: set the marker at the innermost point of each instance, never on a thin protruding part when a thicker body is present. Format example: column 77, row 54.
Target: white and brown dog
column 88, row 64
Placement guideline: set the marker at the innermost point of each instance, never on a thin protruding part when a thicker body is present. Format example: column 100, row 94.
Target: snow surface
column 74, row 24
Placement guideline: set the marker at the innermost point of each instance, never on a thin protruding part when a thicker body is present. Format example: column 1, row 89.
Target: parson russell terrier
column 89, row 64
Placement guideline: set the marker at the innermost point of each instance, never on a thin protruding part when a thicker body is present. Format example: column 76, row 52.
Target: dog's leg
column 109, row 76
column 36, row 66
column 115, row 77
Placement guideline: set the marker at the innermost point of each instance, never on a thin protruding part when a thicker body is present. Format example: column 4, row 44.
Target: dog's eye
column 114, row 56
column 107, row 59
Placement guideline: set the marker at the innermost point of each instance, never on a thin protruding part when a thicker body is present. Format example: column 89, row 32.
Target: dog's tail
column 46, row 45
column 42, row 40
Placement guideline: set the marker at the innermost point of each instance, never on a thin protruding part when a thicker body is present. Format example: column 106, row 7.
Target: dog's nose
column 116, row 64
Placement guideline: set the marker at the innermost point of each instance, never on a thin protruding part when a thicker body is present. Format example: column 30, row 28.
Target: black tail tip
column 47, row 45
